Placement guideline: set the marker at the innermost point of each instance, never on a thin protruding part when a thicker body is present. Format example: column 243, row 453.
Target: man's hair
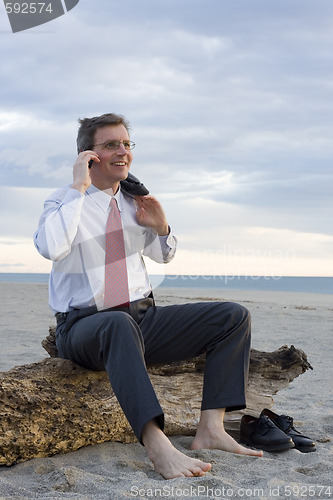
column 88, row 127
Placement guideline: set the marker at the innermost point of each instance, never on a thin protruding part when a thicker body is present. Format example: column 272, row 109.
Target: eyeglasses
column 114, row 145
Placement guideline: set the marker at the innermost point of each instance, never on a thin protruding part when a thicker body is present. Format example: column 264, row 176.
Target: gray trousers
column 115, row 342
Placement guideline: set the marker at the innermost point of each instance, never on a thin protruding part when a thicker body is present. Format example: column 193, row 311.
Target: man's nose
column 121, row 149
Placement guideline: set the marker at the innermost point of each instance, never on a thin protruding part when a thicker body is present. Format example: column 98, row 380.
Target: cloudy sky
column 230, row 103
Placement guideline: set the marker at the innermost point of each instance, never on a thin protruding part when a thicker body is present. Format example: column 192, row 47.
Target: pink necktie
column 116, row 283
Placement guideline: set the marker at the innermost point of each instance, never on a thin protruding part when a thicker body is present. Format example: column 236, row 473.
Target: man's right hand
column 81, row 171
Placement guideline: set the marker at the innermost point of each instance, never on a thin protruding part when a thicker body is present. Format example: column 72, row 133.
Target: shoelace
column 287, row 423
column 267, row 424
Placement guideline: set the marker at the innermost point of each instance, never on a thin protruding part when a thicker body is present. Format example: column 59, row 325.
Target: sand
column 116, row 470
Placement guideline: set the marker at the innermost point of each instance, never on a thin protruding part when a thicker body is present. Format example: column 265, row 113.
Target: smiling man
column 96, row 231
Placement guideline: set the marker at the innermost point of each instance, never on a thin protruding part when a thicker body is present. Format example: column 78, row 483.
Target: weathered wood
column 56, row 406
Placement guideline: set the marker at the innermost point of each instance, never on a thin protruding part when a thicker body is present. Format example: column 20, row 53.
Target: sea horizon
column 305, row 284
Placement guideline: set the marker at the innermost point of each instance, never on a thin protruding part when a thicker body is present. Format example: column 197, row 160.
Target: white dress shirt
column 71, row 233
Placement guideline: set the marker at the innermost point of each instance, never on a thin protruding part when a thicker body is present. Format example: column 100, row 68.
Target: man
column 106, row 316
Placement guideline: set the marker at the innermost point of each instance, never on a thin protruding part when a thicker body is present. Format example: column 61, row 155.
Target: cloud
column 20, row 255
column 20, row 209
column 230, row 103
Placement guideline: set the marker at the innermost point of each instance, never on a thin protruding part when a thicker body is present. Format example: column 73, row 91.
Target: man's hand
column 81, row 172
column 150, row 213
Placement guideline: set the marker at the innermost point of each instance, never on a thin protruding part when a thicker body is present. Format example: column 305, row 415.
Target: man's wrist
column 82, row 188
column 163, row 230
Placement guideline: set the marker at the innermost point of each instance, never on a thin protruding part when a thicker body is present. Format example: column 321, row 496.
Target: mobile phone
column 90, row 163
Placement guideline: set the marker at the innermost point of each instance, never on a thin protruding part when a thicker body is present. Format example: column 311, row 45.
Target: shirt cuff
column 169, row 239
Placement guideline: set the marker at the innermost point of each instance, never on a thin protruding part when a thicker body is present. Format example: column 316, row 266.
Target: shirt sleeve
column 161, row 249
column 59, row 223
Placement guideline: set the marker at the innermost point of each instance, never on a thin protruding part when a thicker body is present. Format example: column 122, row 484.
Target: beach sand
column 116, row 470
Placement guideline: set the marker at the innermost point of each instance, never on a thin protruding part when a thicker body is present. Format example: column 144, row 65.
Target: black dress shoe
column 285, row 423
column 261, row 433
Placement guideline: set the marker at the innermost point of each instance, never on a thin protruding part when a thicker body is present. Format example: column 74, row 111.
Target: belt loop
column 60, row 317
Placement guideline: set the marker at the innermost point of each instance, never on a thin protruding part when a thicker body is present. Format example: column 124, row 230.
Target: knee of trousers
column 236, row 313
column 244, row 316
column 244, row 313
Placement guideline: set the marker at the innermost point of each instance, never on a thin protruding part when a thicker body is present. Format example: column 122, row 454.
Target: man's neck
column 110, row 190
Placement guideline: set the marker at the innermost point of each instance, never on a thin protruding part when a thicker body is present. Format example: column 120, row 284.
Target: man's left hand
column 151, row 214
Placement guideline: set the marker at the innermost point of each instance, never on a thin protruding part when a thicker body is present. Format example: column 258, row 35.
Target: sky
column 231, row 109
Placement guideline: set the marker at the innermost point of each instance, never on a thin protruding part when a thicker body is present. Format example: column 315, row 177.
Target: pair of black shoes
column 272, row 432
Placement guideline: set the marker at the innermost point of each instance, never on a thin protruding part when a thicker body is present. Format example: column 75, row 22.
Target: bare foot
column 223, row 442
column 212, row 435
column 167, row 460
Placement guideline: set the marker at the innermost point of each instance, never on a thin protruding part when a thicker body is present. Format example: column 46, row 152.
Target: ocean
column 323, row 285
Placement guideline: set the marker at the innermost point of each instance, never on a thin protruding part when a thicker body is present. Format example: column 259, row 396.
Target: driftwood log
column 56, row 406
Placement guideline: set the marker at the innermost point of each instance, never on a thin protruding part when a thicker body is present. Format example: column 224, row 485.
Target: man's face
column 114, row 163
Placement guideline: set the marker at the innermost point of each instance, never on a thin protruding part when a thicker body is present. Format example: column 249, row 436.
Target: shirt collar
column 102, row 199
